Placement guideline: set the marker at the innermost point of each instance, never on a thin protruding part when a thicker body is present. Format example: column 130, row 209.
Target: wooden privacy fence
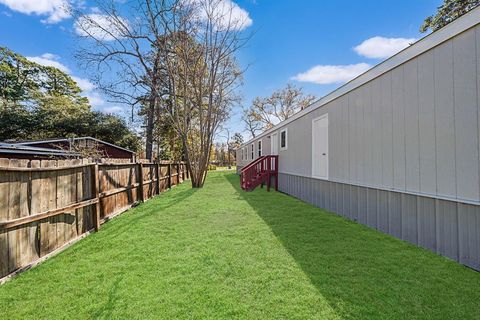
column 47, row 204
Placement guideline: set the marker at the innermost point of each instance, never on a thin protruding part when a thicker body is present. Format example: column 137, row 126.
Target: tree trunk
column 149, row 129
column 197, row 179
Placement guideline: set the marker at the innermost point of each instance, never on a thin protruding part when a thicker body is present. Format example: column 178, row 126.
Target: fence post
column 169, row 175
column 157, row 174
column 178, row 173
column 140, row 182
column 96, row 195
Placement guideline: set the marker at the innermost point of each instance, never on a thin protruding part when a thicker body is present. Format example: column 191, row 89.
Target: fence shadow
column 136, row 219
column 361, row 272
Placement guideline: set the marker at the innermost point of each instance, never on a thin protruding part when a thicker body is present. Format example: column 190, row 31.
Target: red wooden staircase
column 259, row 172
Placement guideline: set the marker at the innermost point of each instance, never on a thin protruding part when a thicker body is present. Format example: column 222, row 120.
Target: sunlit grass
column 221, row 253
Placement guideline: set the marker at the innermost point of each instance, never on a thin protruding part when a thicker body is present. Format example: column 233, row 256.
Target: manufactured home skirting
column 449, row 228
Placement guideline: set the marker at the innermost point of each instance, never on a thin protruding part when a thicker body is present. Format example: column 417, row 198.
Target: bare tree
column 122, row 55
column 202, row 74
column 252, row 121
column 176, row 55
column 285, row 102
column 264, row 113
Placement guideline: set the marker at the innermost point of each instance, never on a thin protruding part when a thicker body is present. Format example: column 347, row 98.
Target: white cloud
column 328, row 74
column 89, row 91
column 224, row 13
column 94, row 98
column 102, row 27
column 112, row 109
column 55, row 10
column 49, row 60
column 83, row 84
column 380, row 47
column 230, row 14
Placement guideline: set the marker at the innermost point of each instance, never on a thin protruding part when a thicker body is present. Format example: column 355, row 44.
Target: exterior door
column 274, row 144
column 320, row 147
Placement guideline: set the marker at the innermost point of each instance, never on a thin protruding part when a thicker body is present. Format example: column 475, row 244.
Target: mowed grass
column 221, row 253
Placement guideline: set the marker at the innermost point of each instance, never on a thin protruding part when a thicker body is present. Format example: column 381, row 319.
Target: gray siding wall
column 446, row 227
column 414, row 128
column 403, row 148
column 248, row 159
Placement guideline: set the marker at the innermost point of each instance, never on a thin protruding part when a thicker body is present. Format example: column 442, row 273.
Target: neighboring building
column 107, row 150
column 8, row 150
column 397, row 148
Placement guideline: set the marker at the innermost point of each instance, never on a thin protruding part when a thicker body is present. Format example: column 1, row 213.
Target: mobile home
column 397, row 148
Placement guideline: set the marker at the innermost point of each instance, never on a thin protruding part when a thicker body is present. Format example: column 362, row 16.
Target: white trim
column 463, row 23
column 286, row 139
column 313, row 148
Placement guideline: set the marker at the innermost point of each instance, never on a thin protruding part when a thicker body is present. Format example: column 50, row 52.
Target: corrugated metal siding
column 448, row 228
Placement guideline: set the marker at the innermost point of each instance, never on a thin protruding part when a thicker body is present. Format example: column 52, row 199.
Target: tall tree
column 252, row 121
column 202, row 74
column 19, row 79
column 123, row 56
column 235, row 143
column 43, row 102
column 264, row 113
column 447, row 12
column 174, row 55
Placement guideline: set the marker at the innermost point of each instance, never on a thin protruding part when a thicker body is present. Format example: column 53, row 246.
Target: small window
column 283, row 139
column 259, row 148
column 253, row 147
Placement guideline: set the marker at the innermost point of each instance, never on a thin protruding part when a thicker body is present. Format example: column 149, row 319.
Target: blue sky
column 309, row 43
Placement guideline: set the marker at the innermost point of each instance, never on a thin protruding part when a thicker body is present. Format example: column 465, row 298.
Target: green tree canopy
column 447, row 12
column 40, row 102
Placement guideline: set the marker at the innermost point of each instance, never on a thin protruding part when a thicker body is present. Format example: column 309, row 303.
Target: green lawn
column 221, row 253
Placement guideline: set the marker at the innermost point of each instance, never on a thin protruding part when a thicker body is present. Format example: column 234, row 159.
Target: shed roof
column 21, row 149
column 71, row 139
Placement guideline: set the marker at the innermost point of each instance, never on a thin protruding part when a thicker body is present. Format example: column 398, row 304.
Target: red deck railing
column 259, row 172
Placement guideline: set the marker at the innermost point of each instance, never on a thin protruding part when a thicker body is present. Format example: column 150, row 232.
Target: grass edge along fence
column 47, row 205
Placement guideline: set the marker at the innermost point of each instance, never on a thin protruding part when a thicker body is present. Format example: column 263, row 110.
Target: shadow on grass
column 136, row 218
column 364, row 273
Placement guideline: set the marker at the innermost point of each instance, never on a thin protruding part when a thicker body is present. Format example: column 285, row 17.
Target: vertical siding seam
column 418, row 130
column 393, row 133
column 454, row 120
column 434, row 123
column 404, row 129
column 348, row 137
column 435, row 118
column 476, row 100
column 362, row 136
column 381, row 109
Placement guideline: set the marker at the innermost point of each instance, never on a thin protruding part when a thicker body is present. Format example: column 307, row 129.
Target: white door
column 320, row 147
column 274, row 144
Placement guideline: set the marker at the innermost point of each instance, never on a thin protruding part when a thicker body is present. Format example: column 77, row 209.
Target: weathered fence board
column 46, row 204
